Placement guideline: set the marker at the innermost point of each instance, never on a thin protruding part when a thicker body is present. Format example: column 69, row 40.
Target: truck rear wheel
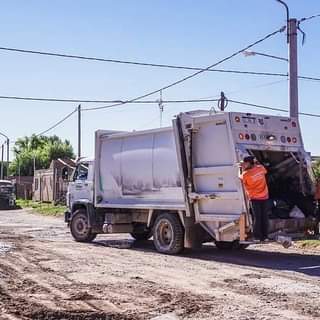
column 79, row 227
column 230, row 245
column 168, row 234
column 140, row 236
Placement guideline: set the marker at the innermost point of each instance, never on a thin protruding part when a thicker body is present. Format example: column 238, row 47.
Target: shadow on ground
column 308, row 264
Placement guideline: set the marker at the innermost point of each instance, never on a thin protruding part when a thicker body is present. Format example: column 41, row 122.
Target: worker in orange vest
column 253, row 177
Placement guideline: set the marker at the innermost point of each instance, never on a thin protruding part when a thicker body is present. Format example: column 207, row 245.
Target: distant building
column 50, row 185
column 23, row 185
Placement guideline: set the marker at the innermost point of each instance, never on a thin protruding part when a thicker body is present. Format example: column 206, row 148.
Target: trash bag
column 281, row 209
column 296, row 213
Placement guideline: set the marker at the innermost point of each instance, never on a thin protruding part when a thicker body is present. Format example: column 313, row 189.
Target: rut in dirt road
column 46, row 275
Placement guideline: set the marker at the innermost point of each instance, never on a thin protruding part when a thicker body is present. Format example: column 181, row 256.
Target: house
column 23, row 185
column 50, row 185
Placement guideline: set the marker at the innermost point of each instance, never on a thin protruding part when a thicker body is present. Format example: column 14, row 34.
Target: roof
column 5, row 182
column 85, row 159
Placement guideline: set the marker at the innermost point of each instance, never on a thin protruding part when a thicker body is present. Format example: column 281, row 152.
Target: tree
column 316, row 169
column 38, row 151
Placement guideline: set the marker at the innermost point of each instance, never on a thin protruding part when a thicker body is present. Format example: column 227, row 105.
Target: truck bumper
column 7, row 203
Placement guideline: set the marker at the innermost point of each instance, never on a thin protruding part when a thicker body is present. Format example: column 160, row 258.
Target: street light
column 288, row 17
column 292, row 27
column 248, row 53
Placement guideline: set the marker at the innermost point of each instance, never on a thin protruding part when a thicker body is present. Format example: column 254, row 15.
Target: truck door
column 214, row 188
column 82, row 185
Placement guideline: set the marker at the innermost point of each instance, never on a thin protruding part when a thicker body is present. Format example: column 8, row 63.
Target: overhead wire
column 99, row 101
column 136, row 99
column 309, row 18
column 78, row 100
column 147, row 64
column 193, row 74
column 137, row 63
column 57, row 123
column 271, row 108
column 158, row 65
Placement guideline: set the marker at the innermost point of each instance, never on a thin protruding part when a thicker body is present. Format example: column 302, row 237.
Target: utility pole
column 2, row 161
column 293, row 62
column 79, row 131
column 161, row 107
column 34, row 163
column 8, row 151
column 293, row 68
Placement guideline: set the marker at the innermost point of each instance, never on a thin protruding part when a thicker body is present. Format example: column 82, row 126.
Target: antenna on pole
column 161, row 108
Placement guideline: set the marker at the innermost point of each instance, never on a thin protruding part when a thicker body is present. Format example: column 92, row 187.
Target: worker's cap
column 248, row 159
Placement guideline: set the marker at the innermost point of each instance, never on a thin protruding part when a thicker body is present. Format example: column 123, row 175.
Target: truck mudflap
column 67, row 217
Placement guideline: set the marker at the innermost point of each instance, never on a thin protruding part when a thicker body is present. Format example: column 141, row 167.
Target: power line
column 185, row 101
column 146, row 102
column 168, row 66
column 272, row 108
column 96, row 101
column 73, row 100
column 309, row 78
column 309, row 18
column 195, row 73
column 146, row 64
column 57, row 123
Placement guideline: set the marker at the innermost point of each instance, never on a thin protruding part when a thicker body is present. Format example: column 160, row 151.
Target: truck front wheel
column 79, row 227
column 168, row 234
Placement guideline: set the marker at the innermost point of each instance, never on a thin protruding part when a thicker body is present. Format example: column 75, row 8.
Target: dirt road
column 44, row 274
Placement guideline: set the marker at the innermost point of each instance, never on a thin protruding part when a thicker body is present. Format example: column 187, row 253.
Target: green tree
column 38, row 151
column 316, row 169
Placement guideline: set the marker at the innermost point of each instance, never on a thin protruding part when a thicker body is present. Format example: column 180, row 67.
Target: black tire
column 230, row 245
column 225, row 245
column 168, row 234
column 79, row 227
column 242, row 246
column 141, row 236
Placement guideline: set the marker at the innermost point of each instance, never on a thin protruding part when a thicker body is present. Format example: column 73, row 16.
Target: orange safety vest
column 255, row 184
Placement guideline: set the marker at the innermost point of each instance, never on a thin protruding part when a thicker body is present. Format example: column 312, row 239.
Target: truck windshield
column 6, row 187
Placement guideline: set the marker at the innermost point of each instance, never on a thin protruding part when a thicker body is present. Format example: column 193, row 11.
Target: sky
column 185, row 32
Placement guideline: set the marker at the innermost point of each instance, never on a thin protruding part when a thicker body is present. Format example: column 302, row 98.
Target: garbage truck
column 180, row 185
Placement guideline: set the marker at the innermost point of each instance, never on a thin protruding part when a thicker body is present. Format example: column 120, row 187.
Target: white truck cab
column 180, row 184
column 81, row 184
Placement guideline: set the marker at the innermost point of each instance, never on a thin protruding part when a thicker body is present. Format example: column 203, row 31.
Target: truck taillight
column 247, row 136
column 237, row 119
column 294, row 140
column 294, row 124
column 241, row 136
column 283, row 139
column 288, row 139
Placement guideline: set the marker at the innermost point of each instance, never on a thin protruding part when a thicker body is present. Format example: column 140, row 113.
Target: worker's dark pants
column 260, row 211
